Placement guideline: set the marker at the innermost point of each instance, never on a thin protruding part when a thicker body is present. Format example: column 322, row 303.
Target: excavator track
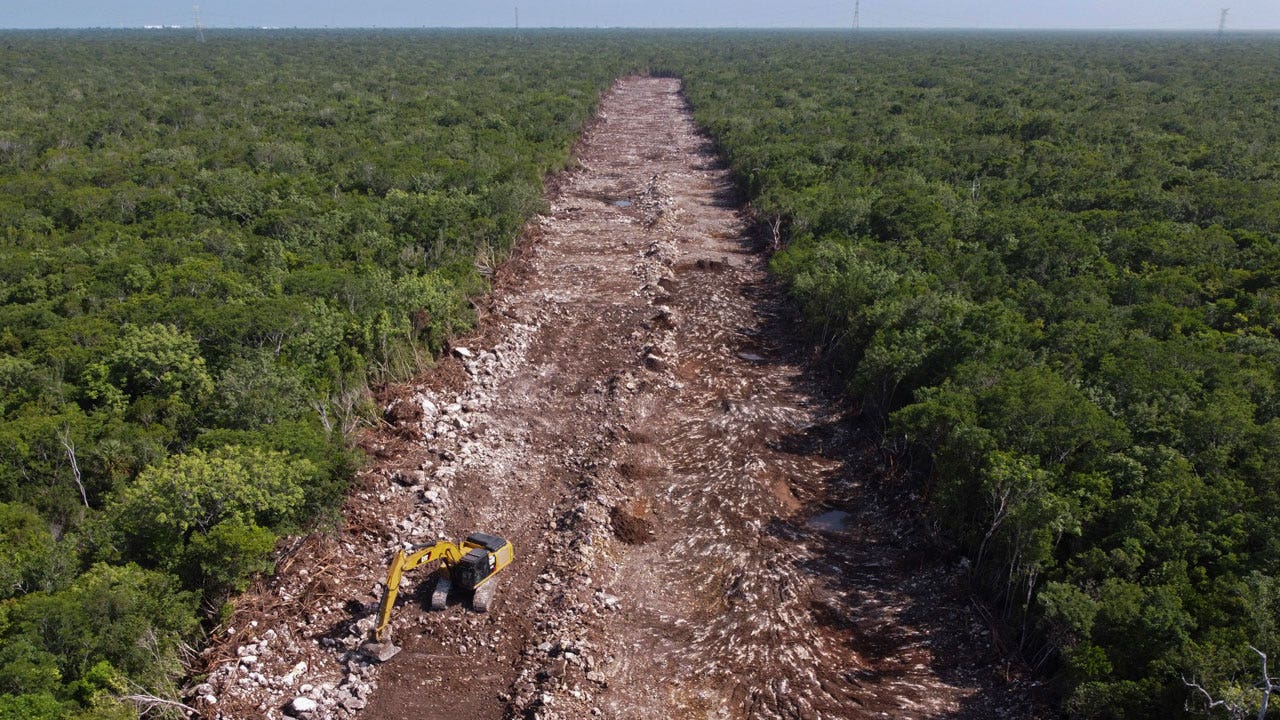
column 440, row 593
column 484, row 595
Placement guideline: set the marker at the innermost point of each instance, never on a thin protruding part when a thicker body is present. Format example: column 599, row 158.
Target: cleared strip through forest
column 701, row 531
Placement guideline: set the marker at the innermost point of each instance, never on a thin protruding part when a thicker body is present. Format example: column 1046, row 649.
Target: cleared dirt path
column 700, row 531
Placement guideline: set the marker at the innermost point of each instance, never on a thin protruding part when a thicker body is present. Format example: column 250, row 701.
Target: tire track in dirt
column 700, row 531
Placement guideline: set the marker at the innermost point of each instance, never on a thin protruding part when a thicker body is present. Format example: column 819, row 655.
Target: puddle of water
column 834, row 521
column 751, row 357
column 622, row 203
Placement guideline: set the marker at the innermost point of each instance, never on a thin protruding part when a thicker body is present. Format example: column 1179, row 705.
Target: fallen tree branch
column 146, row 701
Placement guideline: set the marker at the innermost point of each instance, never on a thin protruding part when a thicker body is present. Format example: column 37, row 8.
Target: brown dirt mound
column 628, row 528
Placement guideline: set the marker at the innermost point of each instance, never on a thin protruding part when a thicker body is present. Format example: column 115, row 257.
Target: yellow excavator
column 470, row 565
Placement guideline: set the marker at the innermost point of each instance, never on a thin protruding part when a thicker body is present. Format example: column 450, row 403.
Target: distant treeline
column 1049, row 268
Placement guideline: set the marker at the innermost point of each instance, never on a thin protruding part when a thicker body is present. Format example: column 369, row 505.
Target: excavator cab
column 486, row 555
column 474, row 568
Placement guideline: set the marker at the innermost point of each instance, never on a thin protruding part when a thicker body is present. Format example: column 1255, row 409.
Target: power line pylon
column 199, row 25
column 857, row 10
column 1222, row 22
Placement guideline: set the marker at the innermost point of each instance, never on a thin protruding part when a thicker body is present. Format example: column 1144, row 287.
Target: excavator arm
column 401, row 563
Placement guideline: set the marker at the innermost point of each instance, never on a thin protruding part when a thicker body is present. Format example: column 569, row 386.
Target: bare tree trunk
column 1001, row 502
column 1267, row 684
column 64, row 435
column 322, row 409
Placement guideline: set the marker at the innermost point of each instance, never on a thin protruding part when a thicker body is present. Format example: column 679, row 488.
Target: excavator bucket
column 380, row 651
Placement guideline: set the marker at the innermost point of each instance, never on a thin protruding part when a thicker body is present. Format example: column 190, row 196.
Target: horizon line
column 793, row 28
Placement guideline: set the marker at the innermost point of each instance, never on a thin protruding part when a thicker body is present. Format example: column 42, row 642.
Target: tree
column 257, row 390
column 153, row 368
column 28, row 549
column 131, row 618
column 180, row 514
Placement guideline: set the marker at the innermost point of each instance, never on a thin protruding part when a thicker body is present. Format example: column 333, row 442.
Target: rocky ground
column 701, row 530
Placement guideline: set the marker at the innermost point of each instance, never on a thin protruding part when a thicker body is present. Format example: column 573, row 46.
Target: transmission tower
column 857, row 10
column 199, row 25
column 517, row 16
column 1222, row 22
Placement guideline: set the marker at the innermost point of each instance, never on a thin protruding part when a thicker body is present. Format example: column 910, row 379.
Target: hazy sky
column 1082, row 14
